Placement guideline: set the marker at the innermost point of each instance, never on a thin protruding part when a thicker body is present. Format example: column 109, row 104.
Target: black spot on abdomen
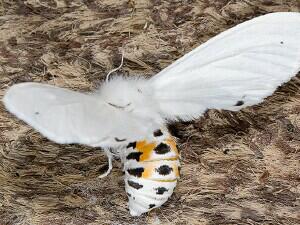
column 134, row 185
column 151, row 206
column 161, row 190
column 137, row 172
column 162, row 148
column 164, row 170
column 239, row 103
column 134, row 155
column 131, row 145
column 157, row 133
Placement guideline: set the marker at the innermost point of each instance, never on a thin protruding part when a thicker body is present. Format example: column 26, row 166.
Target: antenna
column 114, row 70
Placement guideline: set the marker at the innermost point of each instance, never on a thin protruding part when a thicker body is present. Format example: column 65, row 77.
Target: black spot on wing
column 128, row 194
column 151, row 206
column 132, row 145
column 137, row 172
column 134, row 155
column 36, row 113
column 239, row 103
column 119, row 140
column 157, row 133
column 161, row 190
column 164, row 170
column 134, row 185
column 162, row 148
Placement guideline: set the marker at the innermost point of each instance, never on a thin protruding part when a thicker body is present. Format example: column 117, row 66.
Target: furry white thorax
column 132, row 95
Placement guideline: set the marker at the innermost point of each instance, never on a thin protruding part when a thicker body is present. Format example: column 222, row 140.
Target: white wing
column 65, row 116
column 237, row 68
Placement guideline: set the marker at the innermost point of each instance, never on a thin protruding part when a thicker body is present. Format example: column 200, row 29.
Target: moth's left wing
column 235, row 69
column 65, row 116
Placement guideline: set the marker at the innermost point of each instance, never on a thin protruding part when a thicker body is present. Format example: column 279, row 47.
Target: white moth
column 237, row 68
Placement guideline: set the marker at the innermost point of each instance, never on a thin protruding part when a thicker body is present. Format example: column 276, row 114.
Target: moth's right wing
column 66, row 116
column 235, row 69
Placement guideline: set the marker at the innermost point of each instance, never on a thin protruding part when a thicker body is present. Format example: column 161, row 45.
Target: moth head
column 123, row 93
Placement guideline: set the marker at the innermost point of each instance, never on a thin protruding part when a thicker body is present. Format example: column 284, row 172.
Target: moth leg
column 110, row 157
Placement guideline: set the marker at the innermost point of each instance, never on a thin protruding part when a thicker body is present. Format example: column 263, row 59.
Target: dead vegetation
column 238, row 168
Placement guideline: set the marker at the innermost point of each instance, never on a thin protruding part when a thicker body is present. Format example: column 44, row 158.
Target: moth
column 127, row 116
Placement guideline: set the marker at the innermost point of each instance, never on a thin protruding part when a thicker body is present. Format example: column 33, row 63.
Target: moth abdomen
column 151, row 172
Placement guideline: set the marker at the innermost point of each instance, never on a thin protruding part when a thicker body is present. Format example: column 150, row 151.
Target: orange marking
column 148, row 172
column 176, row 171
column 146, row 149
column 149, row 168
column 171, row 142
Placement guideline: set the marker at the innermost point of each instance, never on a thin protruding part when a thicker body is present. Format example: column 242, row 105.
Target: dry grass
column 238, row 168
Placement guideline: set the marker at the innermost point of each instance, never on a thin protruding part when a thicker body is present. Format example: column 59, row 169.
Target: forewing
column 237, row 68
column 66, row 116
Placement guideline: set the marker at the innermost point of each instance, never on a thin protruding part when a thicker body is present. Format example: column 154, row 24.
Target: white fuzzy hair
column 131, row 94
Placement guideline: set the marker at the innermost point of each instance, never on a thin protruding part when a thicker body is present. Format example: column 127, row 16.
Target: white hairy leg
column 110, row 157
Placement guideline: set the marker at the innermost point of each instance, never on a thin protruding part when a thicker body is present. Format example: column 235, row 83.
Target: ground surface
column 238, row 168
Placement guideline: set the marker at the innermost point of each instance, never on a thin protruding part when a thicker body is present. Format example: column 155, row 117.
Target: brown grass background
column 237, row 168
